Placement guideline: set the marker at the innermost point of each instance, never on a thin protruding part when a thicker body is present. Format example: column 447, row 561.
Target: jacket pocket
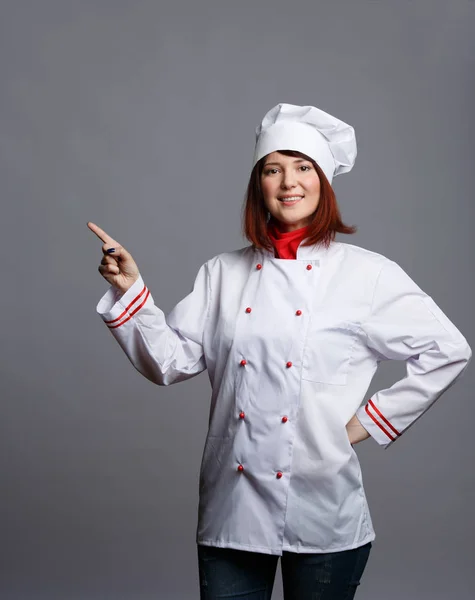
column 328, row 350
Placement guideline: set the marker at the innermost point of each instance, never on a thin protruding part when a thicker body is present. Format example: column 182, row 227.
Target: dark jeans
column 242, row 575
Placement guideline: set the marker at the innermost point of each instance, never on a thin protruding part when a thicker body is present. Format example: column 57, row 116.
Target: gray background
column 140, row 117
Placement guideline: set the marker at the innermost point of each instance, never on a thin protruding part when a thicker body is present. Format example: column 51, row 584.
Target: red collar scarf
column 286, row 242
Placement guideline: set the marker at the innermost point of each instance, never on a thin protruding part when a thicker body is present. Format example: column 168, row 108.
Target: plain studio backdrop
column 140, row 117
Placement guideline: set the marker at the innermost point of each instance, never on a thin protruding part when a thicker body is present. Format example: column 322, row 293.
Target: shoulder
column 362, row 254
column 386, row 274
column 359, row 265
column 358, row 257
column 231, row 258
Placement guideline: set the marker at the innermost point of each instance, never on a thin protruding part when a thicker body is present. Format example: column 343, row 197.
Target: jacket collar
column 317, row 252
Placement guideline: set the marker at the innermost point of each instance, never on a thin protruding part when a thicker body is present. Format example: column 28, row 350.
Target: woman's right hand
column 118, row 267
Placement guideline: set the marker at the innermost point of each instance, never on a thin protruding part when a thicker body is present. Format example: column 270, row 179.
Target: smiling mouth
column 290, row 200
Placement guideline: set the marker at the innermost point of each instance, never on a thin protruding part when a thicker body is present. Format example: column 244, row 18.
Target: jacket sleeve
column 405, row 324
column 165, row 349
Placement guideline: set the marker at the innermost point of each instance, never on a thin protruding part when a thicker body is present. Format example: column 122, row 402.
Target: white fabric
column 323, row 137
column 357, row 309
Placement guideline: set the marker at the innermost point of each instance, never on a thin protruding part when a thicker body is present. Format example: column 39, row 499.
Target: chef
column 291, row 329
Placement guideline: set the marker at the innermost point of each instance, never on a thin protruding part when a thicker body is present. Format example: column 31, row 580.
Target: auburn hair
column 326, row 221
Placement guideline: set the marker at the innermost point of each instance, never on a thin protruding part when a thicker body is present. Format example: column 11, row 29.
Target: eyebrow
column 297, row 160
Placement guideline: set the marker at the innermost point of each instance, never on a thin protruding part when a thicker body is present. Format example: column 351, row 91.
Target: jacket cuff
column 116, row 309
column 376, row 424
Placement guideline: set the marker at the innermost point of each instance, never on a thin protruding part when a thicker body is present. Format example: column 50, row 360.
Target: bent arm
column 406, row 324
column 165, row 349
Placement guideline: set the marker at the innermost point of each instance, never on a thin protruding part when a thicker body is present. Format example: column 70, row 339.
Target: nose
column 288, row 179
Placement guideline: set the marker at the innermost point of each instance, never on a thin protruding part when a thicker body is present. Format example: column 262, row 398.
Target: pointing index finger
column 101, row 234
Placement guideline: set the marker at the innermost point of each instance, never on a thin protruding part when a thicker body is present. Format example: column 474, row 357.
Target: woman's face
column 288, row 176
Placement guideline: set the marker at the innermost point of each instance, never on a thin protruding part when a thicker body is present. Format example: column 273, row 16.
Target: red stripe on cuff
column 131, row 304
column 379, row 424
column 383, row 417
column 131, row 314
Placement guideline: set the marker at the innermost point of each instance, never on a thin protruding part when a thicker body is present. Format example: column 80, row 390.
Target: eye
column 271, row 170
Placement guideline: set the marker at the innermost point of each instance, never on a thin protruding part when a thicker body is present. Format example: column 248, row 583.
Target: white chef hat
column 330, row 142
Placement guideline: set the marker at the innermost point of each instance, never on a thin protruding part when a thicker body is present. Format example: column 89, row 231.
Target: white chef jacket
column 291, row 347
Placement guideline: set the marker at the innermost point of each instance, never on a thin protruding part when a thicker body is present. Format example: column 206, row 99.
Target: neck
column 285, row 227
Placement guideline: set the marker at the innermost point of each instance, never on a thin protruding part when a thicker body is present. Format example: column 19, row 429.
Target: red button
column 248, row 309
column 289, row 364
column 278, row 475
column 240, row 468
column 241, row 415
column 298, row 313
column 243, row 362
column 285, row 419
column 258, row 267
column 309, row 267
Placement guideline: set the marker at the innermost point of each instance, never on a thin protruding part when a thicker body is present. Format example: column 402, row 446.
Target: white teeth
column 290, row 199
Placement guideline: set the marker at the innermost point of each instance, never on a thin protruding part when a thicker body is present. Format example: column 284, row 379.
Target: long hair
column 326, row 220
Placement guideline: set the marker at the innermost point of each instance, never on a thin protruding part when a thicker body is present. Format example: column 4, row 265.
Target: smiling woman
column 288, row 173
column 291, row 331
column 291, row 190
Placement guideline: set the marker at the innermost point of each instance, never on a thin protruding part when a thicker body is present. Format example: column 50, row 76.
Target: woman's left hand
column 356, row 431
